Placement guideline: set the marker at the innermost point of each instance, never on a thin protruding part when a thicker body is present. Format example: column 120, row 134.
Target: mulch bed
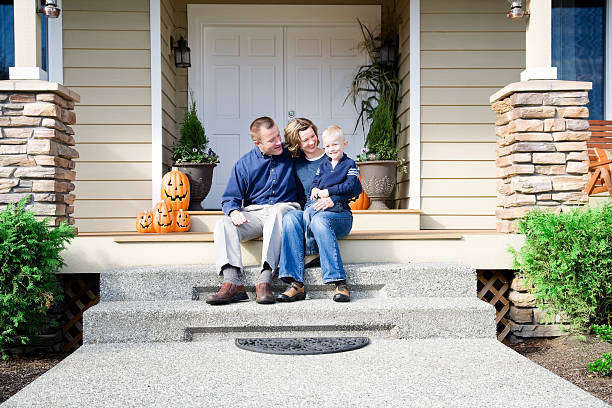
column 19, row 371
column 567, row 357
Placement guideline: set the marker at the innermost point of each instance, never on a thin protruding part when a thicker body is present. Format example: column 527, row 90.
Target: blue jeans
column 304, row 230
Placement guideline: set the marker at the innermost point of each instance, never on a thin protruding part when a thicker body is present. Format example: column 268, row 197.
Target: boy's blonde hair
column 332, row 131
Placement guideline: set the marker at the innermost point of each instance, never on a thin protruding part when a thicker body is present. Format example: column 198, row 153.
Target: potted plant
column 193, row 157
column 375, row 94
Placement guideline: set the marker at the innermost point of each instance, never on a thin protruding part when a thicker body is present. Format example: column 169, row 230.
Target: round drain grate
column 302, row 345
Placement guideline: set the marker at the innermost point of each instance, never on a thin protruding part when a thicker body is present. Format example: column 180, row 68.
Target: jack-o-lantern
column 163, row 217
column 175, row 190
column 144, row 221
column 183, row 221
column 362, row 202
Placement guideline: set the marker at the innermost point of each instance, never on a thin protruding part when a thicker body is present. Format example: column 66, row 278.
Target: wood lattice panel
column 81, row 292
column 493, row 288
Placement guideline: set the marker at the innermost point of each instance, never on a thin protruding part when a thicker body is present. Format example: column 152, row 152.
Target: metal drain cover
column 302, row 345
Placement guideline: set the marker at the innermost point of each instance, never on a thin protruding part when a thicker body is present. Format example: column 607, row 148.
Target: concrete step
column 363, row 220
column 186, row 282
column 404, row 318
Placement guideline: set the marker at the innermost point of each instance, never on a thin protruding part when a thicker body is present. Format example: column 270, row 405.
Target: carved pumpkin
column 163, row 218
column 175, row 190
column 362, row 202
column 144, row 221
column 183, row 221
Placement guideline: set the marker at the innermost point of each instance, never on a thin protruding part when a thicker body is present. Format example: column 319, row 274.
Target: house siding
column 107, row 61
column 469, row 50
column 403, row 141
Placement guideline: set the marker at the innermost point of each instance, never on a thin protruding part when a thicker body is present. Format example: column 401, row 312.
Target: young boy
column 336, row 176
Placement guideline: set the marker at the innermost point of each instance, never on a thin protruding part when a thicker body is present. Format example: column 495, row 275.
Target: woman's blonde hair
column 292, row 134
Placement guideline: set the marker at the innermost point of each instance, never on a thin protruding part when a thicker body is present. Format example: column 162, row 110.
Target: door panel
column 243, row 80
column 321, row 63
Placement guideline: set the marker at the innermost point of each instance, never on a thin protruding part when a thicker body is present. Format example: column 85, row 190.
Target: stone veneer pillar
column 36, row 157
column 542, row 159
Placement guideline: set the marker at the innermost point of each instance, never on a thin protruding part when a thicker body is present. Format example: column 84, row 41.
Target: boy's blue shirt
column 259, row 178
column 342, row 180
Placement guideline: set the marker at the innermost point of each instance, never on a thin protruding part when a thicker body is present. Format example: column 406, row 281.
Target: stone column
column 36, row 153
column 542, row 158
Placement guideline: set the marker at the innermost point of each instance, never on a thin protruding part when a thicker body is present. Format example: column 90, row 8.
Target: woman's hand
column 323, row 204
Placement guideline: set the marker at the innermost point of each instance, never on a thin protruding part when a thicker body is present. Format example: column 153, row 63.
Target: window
column 7, row 39
column 578, row 46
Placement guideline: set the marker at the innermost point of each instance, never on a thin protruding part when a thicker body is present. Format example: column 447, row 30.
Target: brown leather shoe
column 227, row 294
column 264, row 293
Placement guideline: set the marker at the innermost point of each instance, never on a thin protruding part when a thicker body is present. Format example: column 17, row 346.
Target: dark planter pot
column 200, row 179
column 378, row 180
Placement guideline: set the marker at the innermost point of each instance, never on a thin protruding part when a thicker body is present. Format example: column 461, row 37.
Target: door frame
column 207, row 15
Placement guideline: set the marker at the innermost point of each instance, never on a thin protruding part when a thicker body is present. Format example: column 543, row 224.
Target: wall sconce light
column 49, row 8
column 516, row 11
column 182, row 53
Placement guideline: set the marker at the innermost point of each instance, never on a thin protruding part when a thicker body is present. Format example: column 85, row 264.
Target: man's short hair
column 265, row 122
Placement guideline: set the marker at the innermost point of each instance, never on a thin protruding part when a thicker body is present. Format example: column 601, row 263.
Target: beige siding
column 107, row 61
column 169, row 78
column 469, row 49
column 403, row 117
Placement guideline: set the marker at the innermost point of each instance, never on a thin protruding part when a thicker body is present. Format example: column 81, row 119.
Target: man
column 261, row 189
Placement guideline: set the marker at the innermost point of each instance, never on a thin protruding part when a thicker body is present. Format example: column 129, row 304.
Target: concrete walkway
column 387, row 373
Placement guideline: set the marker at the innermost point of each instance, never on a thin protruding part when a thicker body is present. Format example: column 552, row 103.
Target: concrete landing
column 387, row 373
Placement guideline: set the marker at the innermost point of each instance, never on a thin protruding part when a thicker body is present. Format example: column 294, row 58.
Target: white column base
column 539, row 73
column 28, row 73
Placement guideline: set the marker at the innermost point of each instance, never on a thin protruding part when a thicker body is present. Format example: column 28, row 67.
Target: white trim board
column 414, row 183
column 156, row 100
column 55, row 47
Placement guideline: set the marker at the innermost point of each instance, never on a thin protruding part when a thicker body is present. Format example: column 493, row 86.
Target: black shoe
column 294, row 292
column 341, row 293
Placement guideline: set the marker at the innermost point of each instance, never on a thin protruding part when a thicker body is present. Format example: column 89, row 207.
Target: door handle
column 291, row 114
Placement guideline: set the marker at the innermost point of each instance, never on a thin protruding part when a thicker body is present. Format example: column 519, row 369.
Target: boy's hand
column 323, row 193
column 314, row 193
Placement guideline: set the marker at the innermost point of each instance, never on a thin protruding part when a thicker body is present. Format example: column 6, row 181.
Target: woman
column 302, row 141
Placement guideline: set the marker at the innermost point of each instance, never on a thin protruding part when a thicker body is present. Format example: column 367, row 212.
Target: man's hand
column 323, row 204
column 238, row 217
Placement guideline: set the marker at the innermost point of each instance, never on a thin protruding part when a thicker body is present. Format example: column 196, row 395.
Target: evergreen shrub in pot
column 193, row 157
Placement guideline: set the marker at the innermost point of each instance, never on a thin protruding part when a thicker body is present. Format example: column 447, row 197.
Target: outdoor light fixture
column 516, row 11
column 49, row 8
column 182, row 53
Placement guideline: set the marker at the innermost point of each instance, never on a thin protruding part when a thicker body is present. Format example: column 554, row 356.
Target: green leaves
column 567, row 258
column 603, row 366
column 29, row 257
column 192, row 146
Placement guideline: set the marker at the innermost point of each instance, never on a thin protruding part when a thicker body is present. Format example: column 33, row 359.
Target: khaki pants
column 264, row 221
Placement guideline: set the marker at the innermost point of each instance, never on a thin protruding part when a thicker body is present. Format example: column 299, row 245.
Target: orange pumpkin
column 163, row 218
column 183, row 221
column 144, row 221
column 175, row 190
column 362, row 202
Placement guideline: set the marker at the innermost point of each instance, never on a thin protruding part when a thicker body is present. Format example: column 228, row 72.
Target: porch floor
column 389, row 373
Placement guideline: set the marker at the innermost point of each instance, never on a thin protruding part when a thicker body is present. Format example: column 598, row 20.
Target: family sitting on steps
column 263, row 197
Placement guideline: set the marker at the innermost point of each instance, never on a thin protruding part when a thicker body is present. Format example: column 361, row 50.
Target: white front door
column 277, row 61
column 321, row 63
column 243, row 80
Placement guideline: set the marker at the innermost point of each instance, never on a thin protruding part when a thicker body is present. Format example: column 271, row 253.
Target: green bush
column 29, row 256
column 567, row 257
column 603, row 366
column 192, row 147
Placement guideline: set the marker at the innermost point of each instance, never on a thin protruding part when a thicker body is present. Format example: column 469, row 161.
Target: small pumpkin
column 163, row 218
column 175, row 190
column 144, row 222
column 362, row 202
column 183, row 221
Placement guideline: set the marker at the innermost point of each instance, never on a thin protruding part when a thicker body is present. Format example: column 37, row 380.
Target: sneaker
column 294, row 292
column 341, row 293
